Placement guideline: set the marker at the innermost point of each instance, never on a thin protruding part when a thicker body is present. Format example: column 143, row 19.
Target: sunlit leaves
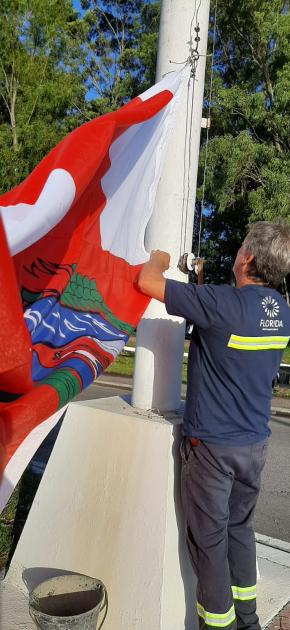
column 248, row 174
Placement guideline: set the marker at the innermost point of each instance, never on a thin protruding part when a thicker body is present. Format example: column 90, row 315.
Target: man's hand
column 161, row 259
column 151, row 280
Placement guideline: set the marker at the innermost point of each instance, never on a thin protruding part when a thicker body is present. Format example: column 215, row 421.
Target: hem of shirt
column 243, row 441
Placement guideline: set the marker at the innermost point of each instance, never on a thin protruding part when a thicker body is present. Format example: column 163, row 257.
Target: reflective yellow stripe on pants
column 221, row 620
column 245, row 593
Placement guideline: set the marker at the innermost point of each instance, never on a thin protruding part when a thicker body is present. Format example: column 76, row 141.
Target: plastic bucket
column 68, row 601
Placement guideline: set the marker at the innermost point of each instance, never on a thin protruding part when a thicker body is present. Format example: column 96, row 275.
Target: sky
column 77, row 5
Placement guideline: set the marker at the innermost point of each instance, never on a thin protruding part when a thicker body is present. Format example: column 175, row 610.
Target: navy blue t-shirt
column 237, row 343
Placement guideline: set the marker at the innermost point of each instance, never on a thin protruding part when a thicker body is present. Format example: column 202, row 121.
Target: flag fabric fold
column 75, row 230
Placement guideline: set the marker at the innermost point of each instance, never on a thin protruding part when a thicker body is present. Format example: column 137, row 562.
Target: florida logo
column 270, row 306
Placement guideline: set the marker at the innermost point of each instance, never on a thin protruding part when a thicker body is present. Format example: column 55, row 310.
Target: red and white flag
column 75, row 230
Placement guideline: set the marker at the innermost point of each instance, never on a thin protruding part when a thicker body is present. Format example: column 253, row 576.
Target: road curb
column 275, row 543
column 116, row 385
column 280, row 411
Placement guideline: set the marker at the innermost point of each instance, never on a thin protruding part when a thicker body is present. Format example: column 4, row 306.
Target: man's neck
column 242, row 282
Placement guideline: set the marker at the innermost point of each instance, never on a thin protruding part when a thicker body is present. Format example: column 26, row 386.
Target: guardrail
column 283, row 375
column 131, row 349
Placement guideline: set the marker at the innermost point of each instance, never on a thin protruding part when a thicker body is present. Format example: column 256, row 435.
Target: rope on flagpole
column 193, row 62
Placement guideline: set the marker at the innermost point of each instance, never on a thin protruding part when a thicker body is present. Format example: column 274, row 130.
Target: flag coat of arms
column 75, row 245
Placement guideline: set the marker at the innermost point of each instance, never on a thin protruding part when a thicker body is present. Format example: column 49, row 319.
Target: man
column 237, row 343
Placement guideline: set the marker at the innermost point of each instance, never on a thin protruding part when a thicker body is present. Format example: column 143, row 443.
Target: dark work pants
column 220, row 487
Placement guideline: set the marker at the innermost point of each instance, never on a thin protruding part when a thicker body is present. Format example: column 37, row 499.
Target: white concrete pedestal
column 109, row 507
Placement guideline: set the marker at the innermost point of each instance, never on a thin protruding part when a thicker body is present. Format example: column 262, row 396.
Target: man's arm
column 151, row 280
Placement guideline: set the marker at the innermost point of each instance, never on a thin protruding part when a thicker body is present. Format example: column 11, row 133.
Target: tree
column 122, row 50
column 41, row 86
column 248, row 170
column 58, row 69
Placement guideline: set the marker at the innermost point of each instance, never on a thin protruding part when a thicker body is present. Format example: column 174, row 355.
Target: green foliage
column 124, row 365
column 58, row 69
column 248, row 161
column 121, row 50
column 6, row 525
column 13, row 517
column 41, row 87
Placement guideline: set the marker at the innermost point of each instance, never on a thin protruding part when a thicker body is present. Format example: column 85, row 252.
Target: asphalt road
column 97, row 390
column 273, row 510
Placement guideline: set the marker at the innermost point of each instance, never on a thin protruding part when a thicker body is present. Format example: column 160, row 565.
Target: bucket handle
column 105, row 604
column 104, row 607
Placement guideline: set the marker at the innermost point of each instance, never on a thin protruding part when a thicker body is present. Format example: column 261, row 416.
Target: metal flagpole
column 160, row 338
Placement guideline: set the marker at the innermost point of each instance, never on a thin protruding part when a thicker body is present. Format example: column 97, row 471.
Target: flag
column 75, row 230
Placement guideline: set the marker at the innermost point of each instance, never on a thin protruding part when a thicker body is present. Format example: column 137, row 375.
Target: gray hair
column 269, row 243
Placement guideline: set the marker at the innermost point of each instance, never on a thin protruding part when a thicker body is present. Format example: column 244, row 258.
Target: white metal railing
column 132, row 350
column 185, row 355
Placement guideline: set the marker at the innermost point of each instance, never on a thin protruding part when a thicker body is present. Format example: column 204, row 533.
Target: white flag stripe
column 21, row 458
column 131, row 183
column 26, row 223
column 170, row 82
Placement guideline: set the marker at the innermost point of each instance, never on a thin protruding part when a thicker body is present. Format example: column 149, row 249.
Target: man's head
column 264, row 257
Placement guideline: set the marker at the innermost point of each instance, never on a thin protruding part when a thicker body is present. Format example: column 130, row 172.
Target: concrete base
column 108, row 507
column 273, row 593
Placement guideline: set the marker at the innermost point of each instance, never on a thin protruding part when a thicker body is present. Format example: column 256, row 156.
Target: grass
column 124, row 364
column 6, row 527
column 286, row 355
column 13, row 517
column 281, row 391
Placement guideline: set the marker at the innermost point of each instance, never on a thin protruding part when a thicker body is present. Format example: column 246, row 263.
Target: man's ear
column 247, row 258
column 247, row 262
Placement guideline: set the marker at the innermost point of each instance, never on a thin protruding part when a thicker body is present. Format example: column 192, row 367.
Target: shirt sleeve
column 198, row 304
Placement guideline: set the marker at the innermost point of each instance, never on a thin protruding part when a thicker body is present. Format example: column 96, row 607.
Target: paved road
column 273, row 510
column 97, row 390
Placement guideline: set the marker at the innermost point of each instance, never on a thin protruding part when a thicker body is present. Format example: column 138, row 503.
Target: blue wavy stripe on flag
column 51, row 323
